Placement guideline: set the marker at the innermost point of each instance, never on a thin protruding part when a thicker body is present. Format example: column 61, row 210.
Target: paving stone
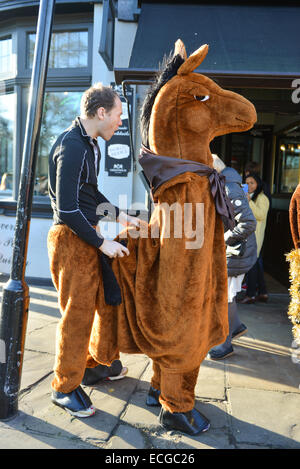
column 36, row 366
column 266, row 418
column 42, row 338
column 211, row 383
column 126, row 437
column 24, row 439
column 139, row 415
column 262, row 365
column 212, row 439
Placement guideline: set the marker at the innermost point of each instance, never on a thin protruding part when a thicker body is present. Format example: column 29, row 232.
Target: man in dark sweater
column 74, row 244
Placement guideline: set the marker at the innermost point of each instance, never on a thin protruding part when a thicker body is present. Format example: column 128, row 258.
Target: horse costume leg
column 78, row 289
column 174, row 391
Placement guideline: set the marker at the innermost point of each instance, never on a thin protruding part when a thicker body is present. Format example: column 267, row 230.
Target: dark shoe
column 263, row 298
column 77, row 402
column 241, row 330
column 100, row 372
column 218, row 355
column 248, row 300
column 191, row 422
column 153, row 397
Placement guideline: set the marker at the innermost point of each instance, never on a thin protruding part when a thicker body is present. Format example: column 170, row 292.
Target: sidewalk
column 251, row 398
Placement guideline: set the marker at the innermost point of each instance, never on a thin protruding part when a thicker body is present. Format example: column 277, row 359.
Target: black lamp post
column 15, row 301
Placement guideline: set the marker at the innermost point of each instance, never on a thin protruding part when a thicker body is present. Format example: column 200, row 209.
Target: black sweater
column 74, row 163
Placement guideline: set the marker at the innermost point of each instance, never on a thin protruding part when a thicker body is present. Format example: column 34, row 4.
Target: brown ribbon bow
column 159, row 169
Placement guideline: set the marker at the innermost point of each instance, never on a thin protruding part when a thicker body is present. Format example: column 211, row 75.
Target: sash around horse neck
column 160, row 169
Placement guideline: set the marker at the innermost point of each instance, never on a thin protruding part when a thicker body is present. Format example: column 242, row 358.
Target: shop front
column 253, row 50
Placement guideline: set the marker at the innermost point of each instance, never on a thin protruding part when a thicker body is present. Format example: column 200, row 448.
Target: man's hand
column 113, row 249
column 126, row 220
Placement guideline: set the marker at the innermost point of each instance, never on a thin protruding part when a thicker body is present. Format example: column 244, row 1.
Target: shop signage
column 117, row 151
column 37, row 264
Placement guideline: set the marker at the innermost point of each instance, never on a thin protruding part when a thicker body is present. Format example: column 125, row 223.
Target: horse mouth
column 243, row 121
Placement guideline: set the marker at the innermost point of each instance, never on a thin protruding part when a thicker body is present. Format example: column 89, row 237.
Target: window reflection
column 60, row 108
column 67, row 50
column 7, row 106
column 289, row 162
column 5, row 55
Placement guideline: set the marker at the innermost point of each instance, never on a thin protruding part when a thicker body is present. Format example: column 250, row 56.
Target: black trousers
column 256, row 279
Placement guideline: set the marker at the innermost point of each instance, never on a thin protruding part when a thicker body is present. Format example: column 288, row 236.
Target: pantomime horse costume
column 174, row 288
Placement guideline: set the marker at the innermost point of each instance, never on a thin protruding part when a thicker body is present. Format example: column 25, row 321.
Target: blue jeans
column 234, row 322
column 256, row 279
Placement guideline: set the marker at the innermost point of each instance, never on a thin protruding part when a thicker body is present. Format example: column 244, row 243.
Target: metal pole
column 15, row 301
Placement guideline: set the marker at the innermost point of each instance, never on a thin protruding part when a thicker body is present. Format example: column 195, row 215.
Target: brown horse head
column 184, row 111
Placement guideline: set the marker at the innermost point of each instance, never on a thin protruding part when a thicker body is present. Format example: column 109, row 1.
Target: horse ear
column 180, row 49
column 193, row 61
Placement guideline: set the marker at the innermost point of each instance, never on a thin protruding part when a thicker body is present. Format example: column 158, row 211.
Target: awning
column 247, row 41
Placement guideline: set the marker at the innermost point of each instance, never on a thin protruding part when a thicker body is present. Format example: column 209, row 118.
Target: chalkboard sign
column 117, row 151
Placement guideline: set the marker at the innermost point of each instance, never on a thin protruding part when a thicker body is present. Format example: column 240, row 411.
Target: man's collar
column 83, row 131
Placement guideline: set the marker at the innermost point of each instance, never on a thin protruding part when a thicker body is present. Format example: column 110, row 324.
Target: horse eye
column 202, row 98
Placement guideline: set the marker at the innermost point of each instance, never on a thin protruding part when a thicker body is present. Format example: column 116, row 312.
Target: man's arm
column 70, row 158
column 106, row 208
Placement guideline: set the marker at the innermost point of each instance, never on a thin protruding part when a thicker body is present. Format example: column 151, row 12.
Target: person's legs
column 252, row 281
column 225, row 350
column 178, row 390
column 262, row 290
column 178, row 399
column 154, row 390
column 155, row 380
column 75, row 272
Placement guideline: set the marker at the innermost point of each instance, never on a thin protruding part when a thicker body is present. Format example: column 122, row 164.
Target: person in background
column 241, row 253
column 259, row 204
column 254, row 167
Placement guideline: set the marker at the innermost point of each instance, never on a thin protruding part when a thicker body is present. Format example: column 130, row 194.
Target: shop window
column 7, row 119
column 240, row 151
column 6, row 55
column 60, row 108
column 289, row 171
column 68, row 49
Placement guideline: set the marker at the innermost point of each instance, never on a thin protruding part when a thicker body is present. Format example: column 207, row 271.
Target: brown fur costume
column 175, row 299
column 174, row 306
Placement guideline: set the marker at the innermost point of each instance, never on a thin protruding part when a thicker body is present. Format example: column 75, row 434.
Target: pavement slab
column 265, row 418
column 252, row 398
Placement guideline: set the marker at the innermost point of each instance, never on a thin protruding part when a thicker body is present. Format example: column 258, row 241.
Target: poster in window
column 117, row 150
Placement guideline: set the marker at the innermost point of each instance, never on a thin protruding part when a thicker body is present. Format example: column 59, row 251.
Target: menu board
column 117, row 151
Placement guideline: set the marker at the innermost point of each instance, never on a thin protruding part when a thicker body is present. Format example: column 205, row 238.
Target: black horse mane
column 169, row 68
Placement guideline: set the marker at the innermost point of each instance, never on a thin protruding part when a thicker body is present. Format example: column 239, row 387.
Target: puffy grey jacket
column 241, row 251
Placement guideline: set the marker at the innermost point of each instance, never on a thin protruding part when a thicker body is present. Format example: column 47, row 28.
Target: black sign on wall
column 117, row 151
